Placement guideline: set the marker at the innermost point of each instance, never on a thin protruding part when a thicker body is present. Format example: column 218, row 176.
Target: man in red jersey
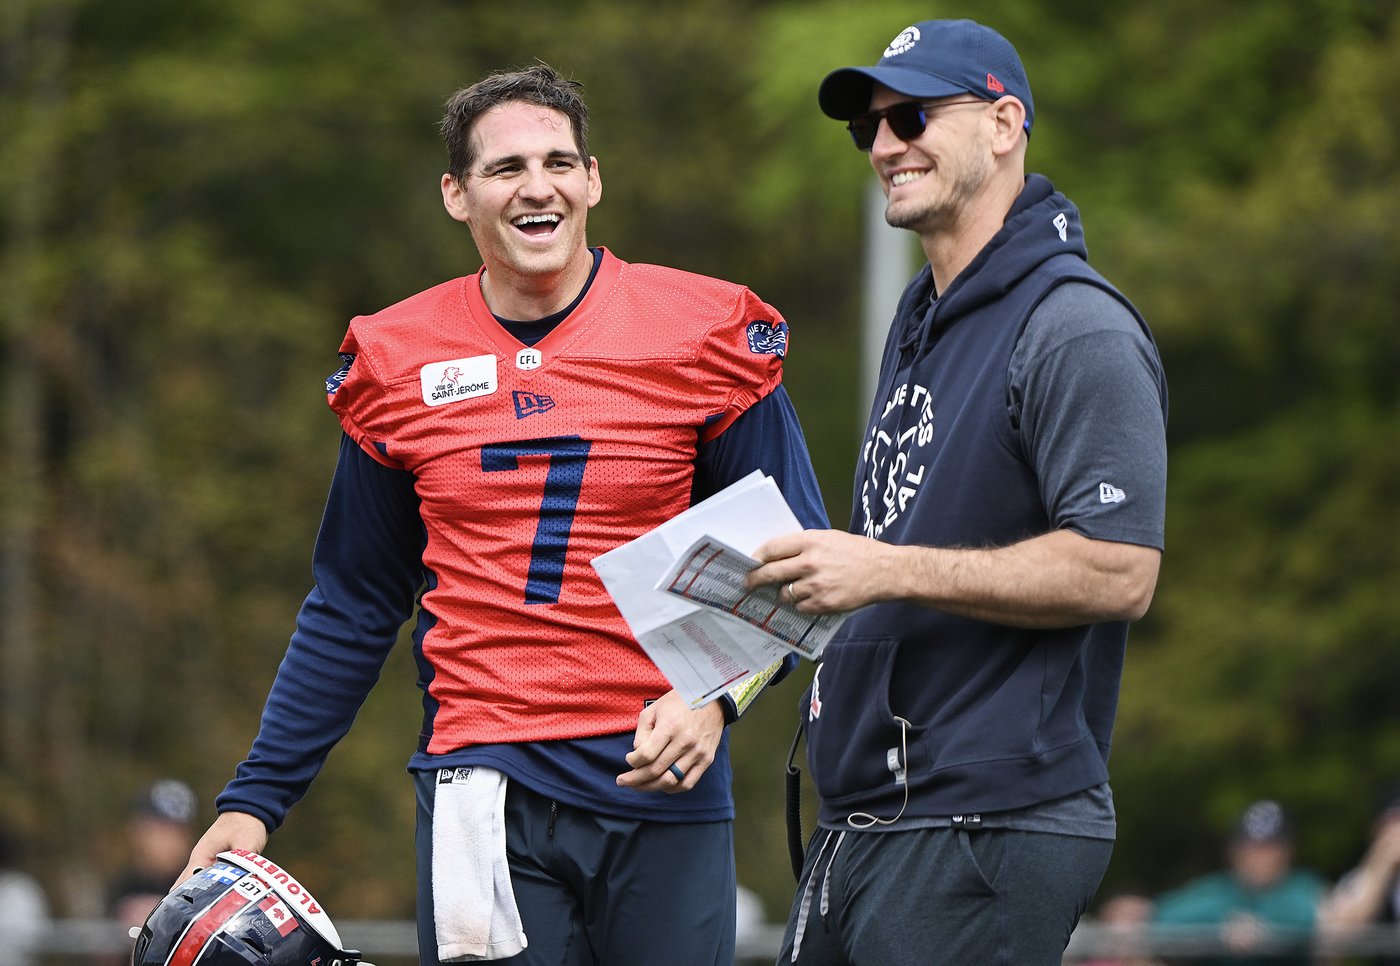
column 500, row 431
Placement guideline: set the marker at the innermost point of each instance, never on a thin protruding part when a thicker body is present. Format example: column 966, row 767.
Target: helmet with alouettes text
column 241, row 910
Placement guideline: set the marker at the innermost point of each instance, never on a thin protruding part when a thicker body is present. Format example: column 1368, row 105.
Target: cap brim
column 844, row 93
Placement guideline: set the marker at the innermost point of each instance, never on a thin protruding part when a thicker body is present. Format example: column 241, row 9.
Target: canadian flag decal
column 281, row 916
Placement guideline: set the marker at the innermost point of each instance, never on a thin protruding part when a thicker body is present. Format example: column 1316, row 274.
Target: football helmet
column 241, row 910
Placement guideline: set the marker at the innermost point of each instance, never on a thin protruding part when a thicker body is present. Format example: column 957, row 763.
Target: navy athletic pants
column 594, row 889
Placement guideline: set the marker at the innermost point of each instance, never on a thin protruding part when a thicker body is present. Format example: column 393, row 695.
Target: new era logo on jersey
column 458, row 379
column 530, row 404
column 1108, row 493
column 768, row 338
column 1061, row 224
column 449, row 776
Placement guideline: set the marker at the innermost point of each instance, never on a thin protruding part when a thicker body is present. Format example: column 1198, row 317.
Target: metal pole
column 889, row 264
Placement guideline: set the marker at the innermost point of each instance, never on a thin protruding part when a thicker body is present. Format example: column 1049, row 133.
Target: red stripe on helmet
column 213, row 919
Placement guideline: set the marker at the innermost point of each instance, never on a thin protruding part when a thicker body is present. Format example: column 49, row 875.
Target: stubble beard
column 940, row 214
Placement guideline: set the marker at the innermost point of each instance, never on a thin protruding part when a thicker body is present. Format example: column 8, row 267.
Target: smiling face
column 930, row 181
column 526, row 198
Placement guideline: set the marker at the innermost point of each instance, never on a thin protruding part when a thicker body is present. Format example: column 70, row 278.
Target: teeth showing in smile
column 904, row 177
column 527, row 221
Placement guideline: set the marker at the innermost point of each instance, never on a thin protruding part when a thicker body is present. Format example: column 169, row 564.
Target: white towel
column 473, row 903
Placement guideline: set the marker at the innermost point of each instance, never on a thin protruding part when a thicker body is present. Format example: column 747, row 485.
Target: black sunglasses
column 907, row 120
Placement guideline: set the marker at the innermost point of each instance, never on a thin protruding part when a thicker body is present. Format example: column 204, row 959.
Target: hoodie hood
column 1041, row 224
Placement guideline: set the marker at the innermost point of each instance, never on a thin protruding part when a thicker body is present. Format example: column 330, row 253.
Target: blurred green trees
column 195, row 197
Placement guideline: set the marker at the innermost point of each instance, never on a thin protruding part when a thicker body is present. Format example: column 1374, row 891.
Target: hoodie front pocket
column 855, row 744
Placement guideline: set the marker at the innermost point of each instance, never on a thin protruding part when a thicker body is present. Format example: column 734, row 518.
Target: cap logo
column 907, row 38
column 995, row 85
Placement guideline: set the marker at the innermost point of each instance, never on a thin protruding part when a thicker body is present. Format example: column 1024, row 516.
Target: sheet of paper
column 701, row 652
column 710, row 572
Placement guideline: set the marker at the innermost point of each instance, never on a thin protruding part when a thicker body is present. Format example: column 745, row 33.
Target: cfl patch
column 458, row 379
column 768, row 338
column 252, row 887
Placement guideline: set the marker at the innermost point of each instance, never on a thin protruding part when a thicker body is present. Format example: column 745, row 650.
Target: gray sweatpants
column 941, row 897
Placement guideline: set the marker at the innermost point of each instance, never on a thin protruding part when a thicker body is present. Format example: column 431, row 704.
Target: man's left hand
column 670, row 734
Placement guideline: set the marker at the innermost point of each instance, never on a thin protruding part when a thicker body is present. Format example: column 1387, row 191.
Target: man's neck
column 951, row 248
column 525, row 298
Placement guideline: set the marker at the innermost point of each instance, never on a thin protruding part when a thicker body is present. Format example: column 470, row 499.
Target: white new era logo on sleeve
column 1108, row 493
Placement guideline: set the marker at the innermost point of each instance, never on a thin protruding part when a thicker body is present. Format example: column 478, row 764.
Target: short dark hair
column 538, row 84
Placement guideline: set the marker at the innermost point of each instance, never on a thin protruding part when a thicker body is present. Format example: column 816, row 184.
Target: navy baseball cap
column 933, row 58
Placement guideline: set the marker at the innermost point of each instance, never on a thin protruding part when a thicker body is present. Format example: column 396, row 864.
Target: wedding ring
column 676, row 770
column 792, row 594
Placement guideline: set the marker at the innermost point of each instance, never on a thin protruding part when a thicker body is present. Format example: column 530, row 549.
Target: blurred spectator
column 159, row 836
column 1369, row 895
column 24, row 911
column 1259, row 902
column 1122, row 920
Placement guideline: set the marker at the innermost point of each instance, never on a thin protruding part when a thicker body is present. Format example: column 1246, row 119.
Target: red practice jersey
column 531, row 461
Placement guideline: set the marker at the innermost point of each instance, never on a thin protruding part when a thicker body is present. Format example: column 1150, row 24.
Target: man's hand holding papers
column 711, row 573
column 704, row 638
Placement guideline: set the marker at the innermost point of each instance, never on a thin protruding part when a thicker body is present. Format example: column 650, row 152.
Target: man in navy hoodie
column 1007, row 527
